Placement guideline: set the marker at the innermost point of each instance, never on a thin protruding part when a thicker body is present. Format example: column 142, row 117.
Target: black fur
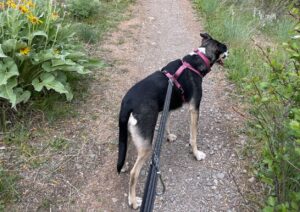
column 146, row 98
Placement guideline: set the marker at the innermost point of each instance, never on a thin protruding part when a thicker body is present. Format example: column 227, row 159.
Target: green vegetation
column 43, row 64
column 83, row 9
column 92, row 28
column 38, row 53
column 267, row 74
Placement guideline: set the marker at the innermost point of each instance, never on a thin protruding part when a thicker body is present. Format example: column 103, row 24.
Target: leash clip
column 162, row 183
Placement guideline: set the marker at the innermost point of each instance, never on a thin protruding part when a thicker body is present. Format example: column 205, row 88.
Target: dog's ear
column 205, row 36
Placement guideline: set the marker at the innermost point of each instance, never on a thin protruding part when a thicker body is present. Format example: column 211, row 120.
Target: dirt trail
column 157, row 32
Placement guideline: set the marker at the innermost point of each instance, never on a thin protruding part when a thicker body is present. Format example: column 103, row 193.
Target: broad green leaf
column 268, row 209
column 9, row 45
column 2, row 55
column 76, row 68
column 8, row 69
column 69, row 94
column 48, row 80
column 75, row 55
column 38, row 33
column 59, row 62
column 94, row 64
column 22, row 96
column 43, row 56
column 7, row 91
column 271, row 201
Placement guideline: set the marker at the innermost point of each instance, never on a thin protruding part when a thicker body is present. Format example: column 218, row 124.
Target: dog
column 143, row 102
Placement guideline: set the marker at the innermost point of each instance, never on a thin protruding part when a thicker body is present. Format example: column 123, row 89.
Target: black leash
column 154, row 170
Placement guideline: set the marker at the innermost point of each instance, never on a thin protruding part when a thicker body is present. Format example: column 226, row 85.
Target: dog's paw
column 135, row 205
column 200, row 155
column 125, row 167
column 171, row 137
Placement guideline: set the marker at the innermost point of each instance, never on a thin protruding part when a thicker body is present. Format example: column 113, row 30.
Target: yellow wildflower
column 30, row 4
column 23, row 9
column 25, row 51
column 54, row 16
column 12, row 4
column 34, row 20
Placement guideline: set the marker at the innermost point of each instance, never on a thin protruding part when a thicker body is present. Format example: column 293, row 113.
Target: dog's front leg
column 194, row 113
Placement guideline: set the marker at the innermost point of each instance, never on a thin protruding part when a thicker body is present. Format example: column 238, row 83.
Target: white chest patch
column 201, row 49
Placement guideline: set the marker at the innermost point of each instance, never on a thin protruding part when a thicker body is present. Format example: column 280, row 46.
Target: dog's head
column 214, row 50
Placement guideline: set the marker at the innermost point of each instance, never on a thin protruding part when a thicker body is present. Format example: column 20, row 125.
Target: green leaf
column 94, row 64
column 8, row 69
column 49, row 81
column 43, row 56
column 76, row 68
column 7, row 91
column 271, row 201
column 268, row 209
column 59, row 62
column 22, row 96
column 9, row 45
column 2, row 55
column 75, row 55
column 38, row 33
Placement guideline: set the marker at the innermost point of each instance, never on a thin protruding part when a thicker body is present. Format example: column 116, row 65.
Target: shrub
column 83, row 9
column 270, row 81
column 37, row 51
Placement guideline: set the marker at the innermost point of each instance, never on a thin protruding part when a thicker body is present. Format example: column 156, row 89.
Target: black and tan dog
column 143, row 102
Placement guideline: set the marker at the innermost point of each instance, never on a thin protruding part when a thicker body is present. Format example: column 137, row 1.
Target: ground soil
column 85, row 178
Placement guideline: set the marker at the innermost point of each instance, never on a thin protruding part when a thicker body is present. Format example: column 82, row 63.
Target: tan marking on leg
column 133, row 200
column 194, row 113
column 144, row 149
column 170, row 137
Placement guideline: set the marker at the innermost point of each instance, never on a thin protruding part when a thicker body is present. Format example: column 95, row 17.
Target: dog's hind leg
column 170, row 137
column 143, row 147
column 194, row 113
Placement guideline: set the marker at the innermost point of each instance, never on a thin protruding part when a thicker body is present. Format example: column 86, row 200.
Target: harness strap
column 186, row 65
column 203, row 57
column 183, row 67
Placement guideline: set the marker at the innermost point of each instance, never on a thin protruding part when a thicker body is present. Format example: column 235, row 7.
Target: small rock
column 114, row 200
column 125, row 194
column 244, row 171
column 251, row 180
column 220, row 175
column 214, row 187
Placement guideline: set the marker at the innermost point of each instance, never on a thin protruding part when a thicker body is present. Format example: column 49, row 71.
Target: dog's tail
column 123, row 137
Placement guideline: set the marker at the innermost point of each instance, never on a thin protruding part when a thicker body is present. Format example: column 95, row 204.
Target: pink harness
column 184, row 66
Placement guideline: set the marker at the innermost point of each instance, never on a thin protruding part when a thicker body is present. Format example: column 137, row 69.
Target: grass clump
column 83, row 9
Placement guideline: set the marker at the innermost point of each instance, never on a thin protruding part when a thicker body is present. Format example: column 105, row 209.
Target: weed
column 8, row 190
column 59, row 144
column 87, row 33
